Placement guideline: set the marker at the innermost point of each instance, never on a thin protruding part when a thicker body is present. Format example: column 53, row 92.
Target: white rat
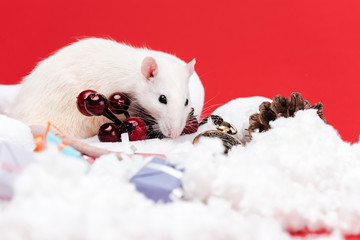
column 50, row 91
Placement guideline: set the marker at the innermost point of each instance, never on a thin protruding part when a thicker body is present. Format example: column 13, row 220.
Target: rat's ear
column 149, row 68
column 191, row 66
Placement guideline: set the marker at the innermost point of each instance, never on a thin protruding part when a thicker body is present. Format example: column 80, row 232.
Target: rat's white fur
column 49, row 92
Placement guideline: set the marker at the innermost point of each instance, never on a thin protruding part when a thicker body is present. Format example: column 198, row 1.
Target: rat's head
column 165, row 93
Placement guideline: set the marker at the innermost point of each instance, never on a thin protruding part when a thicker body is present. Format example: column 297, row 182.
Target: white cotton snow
column 16, row 132
column 297, row 175
column 299, row 172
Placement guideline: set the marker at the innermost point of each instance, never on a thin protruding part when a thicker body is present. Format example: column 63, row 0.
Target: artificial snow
column 297, row 175
column 16, row 133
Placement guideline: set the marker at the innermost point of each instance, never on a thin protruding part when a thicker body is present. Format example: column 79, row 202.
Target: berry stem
column 112, row 117
column 126, row 113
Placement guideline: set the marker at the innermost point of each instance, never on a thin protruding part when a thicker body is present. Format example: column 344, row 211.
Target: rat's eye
column 186, row 102
column 162, row 99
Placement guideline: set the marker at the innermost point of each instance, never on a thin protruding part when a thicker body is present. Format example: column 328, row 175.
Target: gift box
column 159, row 180
column 12, row 161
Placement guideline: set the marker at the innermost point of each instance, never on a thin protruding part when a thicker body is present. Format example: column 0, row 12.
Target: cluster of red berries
column 92, row 103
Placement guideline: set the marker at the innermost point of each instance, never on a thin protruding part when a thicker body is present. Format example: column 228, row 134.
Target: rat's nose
column 174, row 133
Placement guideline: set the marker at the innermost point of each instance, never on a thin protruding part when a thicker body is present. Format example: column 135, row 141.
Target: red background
column 243, row 48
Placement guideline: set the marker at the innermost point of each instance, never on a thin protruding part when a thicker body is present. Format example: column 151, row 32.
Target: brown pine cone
column 319, row 106
column 281, row 107
column 255, row 123
column 266, row 114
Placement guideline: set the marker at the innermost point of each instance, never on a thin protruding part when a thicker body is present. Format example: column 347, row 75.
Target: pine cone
column 281, row 107
column 266, row 114
column 319, row 106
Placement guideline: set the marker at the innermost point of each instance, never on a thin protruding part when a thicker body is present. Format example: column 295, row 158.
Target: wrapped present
column 12, row 161
column 159, row 180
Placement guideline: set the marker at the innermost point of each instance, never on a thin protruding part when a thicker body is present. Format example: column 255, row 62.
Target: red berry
column 80, row 102
column 191, row 126
column 119, row 102
column 139, row 129
column 109, row 132
column 96, row 104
